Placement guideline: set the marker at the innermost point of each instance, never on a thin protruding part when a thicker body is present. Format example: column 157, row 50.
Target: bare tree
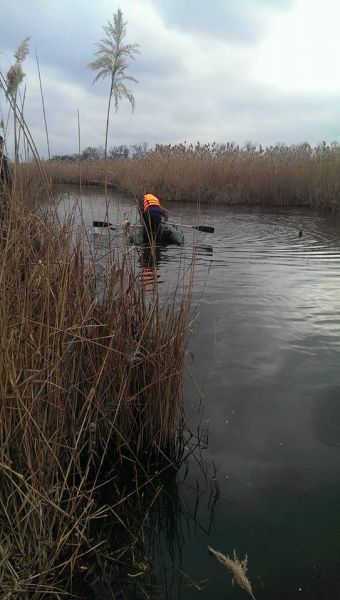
column 112, row 62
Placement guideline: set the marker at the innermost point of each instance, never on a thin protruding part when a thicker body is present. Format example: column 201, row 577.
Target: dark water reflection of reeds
column 140, row 555
column 265, row 355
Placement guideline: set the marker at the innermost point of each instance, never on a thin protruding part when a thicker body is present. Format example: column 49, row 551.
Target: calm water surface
column 265, row 356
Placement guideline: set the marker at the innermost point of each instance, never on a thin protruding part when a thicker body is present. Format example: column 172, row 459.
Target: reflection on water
column 140, row 553
column 265, row 355
column 150, row 259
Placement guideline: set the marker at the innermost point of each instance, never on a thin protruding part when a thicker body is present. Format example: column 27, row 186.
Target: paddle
column 108, row 225
column 209, row 249
column 205, row 228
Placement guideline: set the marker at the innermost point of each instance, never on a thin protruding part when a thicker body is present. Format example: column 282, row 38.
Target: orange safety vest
column 150, row 200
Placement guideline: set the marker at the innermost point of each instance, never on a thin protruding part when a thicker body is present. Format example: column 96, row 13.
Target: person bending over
column 152, row 213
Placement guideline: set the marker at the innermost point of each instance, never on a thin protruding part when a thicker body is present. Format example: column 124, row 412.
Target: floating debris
column 237, row 567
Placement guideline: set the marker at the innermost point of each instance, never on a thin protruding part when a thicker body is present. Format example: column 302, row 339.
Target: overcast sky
column 225, row 70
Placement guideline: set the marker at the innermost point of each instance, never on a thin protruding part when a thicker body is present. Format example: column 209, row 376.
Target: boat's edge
column 175, row 235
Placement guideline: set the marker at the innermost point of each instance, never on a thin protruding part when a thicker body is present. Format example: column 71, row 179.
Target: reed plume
column 22, row 51
column 237, row 567
column 14, row 78
column 112, row 62
column 15, row 74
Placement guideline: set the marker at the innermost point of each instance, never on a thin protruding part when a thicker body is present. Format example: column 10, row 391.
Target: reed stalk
column 43, row 105
column 112, row 56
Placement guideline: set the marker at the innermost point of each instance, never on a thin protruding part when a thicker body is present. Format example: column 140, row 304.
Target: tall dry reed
column 90, row 378
column 278, row 175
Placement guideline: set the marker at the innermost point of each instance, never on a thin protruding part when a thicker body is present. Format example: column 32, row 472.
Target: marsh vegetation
column 91, row 372
column 280, row 175
column 91, row 384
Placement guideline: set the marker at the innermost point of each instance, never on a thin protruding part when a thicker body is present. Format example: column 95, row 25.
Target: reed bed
column 280, row 175
column 90, row 380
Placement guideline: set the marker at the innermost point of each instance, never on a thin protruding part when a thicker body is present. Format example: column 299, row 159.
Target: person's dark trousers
column 152, row 220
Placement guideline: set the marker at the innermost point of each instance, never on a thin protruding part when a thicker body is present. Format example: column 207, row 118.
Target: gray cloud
column 196, row 80
column 227, row 19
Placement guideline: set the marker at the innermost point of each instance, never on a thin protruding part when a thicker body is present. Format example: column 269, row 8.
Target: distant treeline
column 97, row 153
column 209, row 150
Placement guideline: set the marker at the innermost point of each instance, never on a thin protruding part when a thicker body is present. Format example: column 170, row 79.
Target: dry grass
column 238, row 569
column 90, row 376
column 278, row 175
